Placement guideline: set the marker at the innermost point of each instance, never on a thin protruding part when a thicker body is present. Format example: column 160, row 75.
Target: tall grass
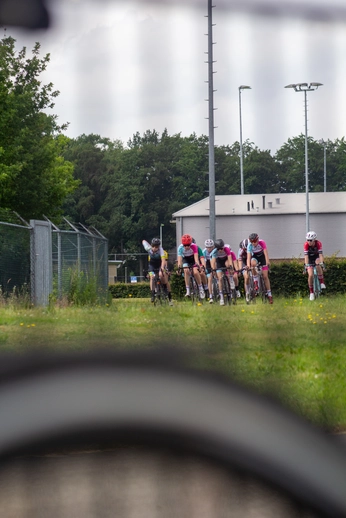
column 294, row 349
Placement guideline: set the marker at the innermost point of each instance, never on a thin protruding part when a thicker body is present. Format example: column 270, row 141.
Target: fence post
column 41, row 262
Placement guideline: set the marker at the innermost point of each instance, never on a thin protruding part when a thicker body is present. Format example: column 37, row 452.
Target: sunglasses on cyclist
column 187, row 246
column 310, row 240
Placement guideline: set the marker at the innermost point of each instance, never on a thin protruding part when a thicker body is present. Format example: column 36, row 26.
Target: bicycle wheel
column 317, row 285
column 252, row 291
column 157, row 288
column 194, row 292
column 262, row 288
column 233, row 292
column 218, row 452
column 216, row 291
column 226, row 289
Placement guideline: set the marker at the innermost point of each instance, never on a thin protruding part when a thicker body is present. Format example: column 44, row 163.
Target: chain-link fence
column 79, row 259
column 14, row 258
column 39, row 259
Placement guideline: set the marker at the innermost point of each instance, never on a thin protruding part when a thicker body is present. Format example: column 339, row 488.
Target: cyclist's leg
column 320, row 274
column 187, row 279
column 236, row 283
column 254, row 263
column 152, row 285
column 210, row 285
column 219, row 278
column 193, row 288
column 199, row 282
column 310, row 270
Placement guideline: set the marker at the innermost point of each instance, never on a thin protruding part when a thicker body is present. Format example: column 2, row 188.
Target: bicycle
column 161, row 293
column 261, row 289
column 228, row 286
column 195, row 295
column 316, row 283
column 194, row 289
column 216, row 291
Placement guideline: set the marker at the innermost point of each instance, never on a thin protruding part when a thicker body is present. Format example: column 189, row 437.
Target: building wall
column 284, row 234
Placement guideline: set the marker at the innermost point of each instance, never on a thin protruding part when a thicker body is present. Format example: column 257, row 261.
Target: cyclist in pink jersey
column 188, row 258
column 313, row 256
column 235, row 268
column 257, row 253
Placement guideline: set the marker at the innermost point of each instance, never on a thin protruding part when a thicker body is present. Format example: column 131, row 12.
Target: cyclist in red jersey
column 313, row 256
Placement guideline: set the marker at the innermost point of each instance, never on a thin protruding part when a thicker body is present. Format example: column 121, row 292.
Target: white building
column 279, row 219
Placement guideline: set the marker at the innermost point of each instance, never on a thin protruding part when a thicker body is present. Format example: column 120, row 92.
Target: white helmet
column 208, row 243
column 311, row 236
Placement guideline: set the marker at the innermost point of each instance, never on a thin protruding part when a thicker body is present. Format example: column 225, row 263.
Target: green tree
column 34, row 178
column 261, row 173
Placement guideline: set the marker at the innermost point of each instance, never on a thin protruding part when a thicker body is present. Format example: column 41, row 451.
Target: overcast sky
column 123, row 67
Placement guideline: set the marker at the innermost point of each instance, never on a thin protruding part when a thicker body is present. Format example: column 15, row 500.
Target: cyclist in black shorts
column 313, row 256
column 157, row 262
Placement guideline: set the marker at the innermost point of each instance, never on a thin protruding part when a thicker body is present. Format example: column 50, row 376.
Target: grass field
column 294, row 349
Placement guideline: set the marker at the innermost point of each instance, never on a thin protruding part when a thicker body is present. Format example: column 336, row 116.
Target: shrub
column 286, row 279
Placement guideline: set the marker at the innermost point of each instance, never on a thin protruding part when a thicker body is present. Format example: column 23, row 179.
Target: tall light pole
column 162, row 225
column 324, row 144
column 241, row 87
column 306, row 87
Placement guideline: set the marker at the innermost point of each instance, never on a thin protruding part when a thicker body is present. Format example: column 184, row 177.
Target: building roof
column 268, row 204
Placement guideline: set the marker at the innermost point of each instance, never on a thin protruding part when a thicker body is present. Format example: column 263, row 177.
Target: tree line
column 128, row 191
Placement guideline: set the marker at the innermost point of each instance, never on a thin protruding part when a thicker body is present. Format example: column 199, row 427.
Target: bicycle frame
column 317, row 284
column 161, row 294
column 316, row 281
column 194, row 290
column 228, row 286
column 262, row 290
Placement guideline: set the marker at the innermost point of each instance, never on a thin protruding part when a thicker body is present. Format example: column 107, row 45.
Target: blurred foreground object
column 138, row 435
column 30, row 14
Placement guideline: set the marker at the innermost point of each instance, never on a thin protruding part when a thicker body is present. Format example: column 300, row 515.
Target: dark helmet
column 253, row 236
column 219, row 243
column 243, row 244
column 155, row 241
column 194, row 240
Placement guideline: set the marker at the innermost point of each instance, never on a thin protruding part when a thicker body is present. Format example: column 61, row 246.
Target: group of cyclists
column 218, row 258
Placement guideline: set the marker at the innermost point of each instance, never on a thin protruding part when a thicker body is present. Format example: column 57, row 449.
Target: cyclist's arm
column 248, row 261
column 180, row 258
column 213, row 263
column 146, row 245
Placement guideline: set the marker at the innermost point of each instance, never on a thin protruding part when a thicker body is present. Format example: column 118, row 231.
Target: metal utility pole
column 212, row 217
column 305, row 87
column 241, row 87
